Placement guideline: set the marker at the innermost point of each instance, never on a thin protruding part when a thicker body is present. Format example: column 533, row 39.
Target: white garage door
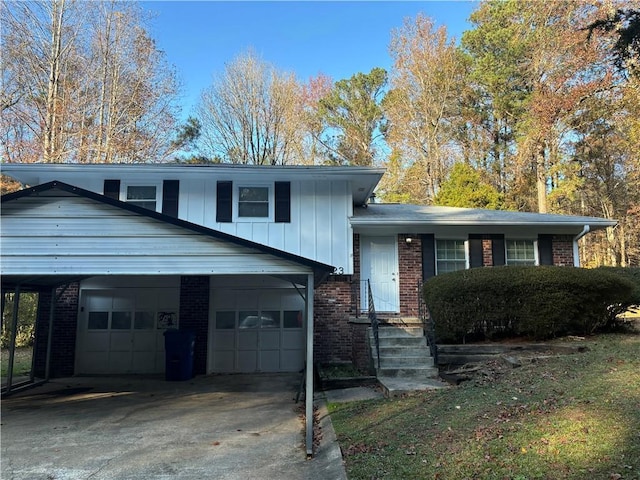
column 256, row 331
column 121, row 330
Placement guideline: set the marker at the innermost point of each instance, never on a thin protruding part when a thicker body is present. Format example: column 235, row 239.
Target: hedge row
column 536, row 302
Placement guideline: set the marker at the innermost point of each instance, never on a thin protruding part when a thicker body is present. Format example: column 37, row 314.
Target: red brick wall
column 410, row 273
column 194, row 315
column 487, row 252
column 361, row 353
column 63, row 340
column 562, row 249
column 332, row 308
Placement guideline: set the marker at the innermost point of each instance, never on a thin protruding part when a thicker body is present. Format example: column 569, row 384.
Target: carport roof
column 320, row 270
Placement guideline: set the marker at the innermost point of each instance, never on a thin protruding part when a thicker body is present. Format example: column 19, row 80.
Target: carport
column 56, row 235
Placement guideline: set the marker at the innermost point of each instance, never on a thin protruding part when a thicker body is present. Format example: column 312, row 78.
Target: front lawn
column 565, row 417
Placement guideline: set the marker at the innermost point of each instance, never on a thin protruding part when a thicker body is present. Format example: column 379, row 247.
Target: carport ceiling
column 34, row 283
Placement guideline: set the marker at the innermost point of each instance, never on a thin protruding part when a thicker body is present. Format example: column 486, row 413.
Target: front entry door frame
column 379, row 265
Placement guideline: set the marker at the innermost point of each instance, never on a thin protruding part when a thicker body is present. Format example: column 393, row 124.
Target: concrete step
column 408, row 372
column 405, row 359
column 398, row 332
column 414, row 342
column 394, row 386
column 400, row 362
column 404, row 351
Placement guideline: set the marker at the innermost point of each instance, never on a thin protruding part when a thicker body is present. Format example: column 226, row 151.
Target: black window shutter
column 111, row 189
column 170, row 193
column 497, row 250
column 428, row 256
column 224, row 202
column 545, row 249
column 475, row 251
column 283, row 202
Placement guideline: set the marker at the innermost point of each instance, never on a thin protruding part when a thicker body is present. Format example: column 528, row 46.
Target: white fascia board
column 579, row 223
column 30, row 173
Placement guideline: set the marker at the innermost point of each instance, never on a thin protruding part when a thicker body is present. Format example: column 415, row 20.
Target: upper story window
column 142, row 195
column 521, row 252
column 451, row 255
column 253, row 202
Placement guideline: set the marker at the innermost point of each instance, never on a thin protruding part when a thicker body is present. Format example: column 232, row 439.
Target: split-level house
column 269, row 266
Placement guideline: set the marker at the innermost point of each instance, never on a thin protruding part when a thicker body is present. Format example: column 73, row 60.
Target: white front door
column 379, row 265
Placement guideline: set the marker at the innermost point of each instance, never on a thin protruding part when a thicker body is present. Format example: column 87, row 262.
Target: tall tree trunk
column 541, row 178
column 50, row 140
column 623, row 245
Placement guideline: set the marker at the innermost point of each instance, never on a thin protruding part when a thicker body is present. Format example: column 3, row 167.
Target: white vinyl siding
column 319, row 228
column 69, row 234
column 451, row 255
column 521, row 252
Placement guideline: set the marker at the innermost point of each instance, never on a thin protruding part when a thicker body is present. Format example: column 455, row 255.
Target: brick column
column 65, row 326
column 332, row 309
column 194, row 315
column 487, row 252
column 409, row 273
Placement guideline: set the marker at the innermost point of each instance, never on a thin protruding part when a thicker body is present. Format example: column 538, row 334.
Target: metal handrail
column 373, row 318
column 428, row 323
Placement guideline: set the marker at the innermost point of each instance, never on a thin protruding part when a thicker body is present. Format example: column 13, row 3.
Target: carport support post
column 52, row 308
column 309, row 366
column 14, row 333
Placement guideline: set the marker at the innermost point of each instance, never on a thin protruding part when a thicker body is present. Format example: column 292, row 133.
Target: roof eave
column 598, row 225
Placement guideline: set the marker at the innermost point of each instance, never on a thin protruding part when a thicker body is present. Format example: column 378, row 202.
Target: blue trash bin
column 178, row 349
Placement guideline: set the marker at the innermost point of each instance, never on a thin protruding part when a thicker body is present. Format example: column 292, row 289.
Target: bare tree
column 135, row 88
column 84, row 82
column 36, row 43
column 251, row 114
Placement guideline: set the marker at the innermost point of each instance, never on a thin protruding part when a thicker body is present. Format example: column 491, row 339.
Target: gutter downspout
column 576, row 253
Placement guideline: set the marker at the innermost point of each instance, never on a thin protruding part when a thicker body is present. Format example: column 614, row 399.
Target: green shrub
column 633, row 301
column 537, row 302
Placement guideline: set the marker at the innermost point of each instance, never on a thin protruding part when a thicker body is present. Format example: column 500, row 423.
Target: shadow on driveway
column 218, row 427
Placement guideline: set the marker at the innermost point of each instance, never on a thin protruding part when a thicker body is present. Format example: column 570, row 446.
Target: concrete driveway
column 211, row 427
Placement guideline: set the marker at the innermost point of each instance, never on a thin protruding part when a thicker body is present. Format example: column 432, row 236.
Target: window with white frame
column 253, row 202
column 521, row 252
column 451, row 255
column 142, row 195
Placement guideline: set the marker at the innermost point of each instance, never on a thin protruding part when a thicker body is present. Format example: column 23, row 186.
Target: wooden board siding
column 318, row 229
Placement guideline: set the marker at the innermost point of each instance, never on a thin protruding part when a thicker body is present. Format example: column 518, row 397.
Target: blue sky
column 336, row 38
